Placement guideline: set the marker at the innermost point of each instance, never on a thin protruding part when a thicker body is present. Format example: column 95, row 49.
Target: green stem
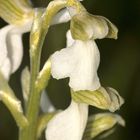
column 29, row 133
column 39, row 31
column 36, row 42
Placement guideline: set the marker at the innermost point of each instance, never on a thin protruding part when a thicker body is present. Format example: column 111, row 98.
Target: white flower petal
column 65, row 69
column 15, row 45
column 69, row 124
column 5, row 65
column 79, row 62
column 61, row 17
column 3, row 45
column 45, row 103
column 6, row 68
column 26, row 27
column 84, row 76
column 15, row 50
column 70, row 40
column 99, row 28
column 11, row 47
column 62, row 63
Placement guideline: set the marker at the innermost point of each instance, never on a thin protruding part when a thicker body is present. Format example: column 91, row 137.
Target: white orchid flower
column 20, row 21
column 11, row 48
column 79, row 61
column 68, row 124
column 11, row 35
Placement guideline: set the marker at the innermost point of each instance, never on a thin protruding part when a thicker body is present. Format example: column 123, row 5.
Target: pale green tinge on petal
column 85, row 26
column 97, row 124
column 112, row 29
column 101, row 98
column 68, row 124
column 15, row 11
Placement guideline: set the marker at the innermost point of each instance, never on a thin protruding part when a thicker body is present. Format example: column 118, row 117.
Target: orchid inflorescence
column 79, row 62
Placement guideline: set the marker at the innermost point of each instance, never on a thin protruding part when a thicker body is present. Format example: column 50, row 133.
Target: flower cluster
column 79, row 62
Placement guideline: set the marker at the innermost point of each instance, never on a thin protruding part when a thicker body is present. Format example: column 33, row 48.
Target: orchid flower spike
column 68, row 124
column 19, row 15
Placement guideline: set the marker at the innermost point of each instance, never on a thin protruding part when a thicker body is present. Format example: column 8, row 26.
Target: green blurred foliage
column 119, row 67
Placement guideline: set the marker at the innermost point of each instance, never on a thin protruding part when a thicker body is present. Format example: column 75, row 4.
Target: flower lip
column 79, row 62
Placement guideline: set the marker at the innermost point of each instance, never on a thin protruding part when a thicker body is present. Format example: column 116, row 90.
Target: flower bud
column 99, row 123
column 85, row 26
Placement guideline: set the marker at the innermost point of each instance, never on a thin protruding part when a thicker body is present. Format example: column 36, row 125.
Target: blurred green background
column 119, row 67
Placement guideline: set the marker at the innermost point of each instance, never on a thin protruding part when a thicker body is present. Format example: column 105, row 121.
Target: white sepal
column 68, row 124
column 15, row 50
column 12, row 47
